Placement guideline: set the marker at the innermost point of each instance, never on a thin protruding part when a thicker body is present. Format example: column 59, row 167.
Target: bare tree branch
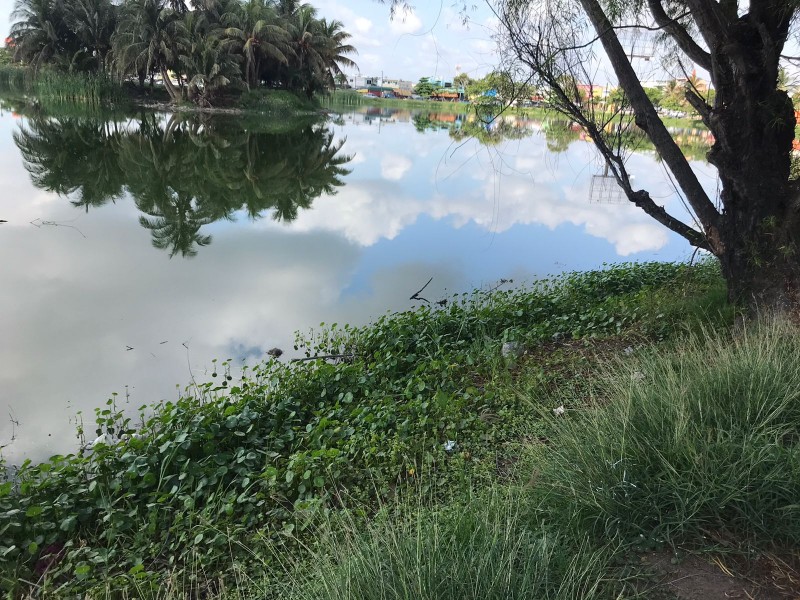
column 559, row 63
column 679, row 33
column 648, row 120
column 711, row 20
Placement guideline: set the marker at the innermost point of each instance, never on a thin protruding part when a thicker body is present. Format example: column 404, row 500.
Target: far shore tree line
column 198, row 53
column 669, row 95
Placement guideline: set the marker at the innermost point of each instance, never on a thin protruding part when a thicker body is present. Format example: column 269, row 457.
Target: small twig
column 501, row 283
column 416, row 295
column 189, row 362
column 14, row 425
column 41, row 223
column 323, row 357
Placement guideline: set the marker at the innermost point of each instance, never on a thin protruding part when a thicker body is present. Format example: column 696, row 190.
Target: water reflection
column 491, row 129
column 414, row 205
column 183, row 173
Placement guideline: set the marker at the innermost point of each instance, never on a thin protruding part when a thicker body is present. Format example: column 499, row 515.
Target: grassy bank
column 678, row 475
column 420, row 406
column 54, row 89
column 347, row 100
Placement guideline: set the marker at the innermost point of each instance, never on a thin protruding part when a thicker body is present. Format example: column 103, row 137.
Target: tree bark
column 174, row 93
column 753, row 125
column 764, row 279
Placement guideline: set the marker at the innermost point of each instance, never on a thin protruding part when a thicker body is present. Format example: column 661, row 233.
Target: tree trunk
column 762, row 280
column 754, row 231
column 753, row 125
column 174, row 93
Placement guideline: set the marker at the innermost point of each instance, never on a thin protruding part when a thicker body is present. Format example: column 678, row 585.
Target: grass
column 691, row 447
column 483, row 549
column 78, row 88
column 54, row 88
column 317, row 481
column 701, row 439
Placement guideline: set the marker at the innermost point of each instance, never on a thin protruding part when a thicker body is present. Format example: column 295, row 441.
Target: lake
column 139, row 249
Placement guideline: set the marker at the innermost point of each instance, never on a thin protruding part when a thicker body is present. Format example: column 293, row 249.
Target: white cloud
column 395, row 166
column 365, row 212
column 368, row 62
column 362, row 25
column 405, row 21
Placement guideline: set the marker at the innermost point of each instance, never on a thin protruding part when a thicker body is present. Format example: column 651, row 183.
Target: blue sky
column 430, row 39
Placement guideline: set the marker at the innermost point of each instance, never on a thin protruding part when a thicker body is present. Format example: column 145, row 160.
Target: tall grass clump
column 702, row 440
column 344, row 98
column 79, row 88
column 55, row 88
column 484, row 549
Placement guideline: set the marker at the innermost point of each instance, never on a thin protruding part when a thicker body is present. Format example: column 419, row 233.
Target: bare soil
column 721, row 577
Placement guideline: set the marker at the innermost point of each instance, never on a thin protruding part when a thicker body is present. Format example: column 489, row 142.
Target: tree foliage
column 198, row 54
column 425, row 88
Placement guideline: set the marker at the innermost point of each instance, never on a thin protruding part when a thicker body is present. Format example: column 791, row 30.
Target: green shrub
column 703, row 440
column 275, row 101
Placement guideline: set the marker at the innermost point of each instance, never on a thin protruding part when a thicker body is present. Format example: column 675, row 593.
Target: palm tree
column 39, row 33
column 287, row 9
column 254, row 32
column 93, row 22
column 204, row 59
column 335, row 48
column 307, row 69
column 146, row 41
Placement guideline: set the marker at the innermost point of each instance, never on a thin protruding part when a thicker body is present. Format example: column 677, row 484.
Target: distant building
column 363, row 81
column 447, row 84
column 656, row 83
column 399, row 84
column 441, row 82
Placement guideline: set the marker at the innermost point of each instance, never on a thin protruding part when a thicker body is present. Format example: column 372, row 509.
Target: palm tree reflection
column 184, row 173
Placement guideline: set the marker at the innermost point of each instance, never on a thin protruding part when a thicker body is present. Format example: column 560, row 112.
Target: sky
column 430, row 40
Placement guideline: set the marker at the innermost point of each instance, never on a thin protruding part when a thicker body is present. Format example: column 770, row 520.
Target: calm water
column 137, row 250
